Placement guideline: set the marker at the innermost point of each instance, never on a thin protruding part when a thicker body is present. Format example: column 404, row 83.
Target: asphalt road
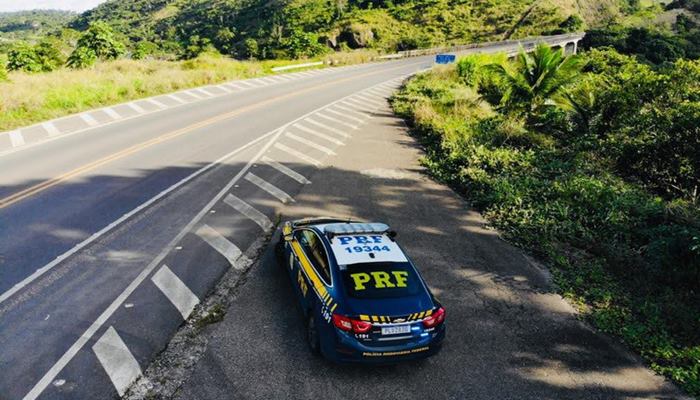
column 111, row 234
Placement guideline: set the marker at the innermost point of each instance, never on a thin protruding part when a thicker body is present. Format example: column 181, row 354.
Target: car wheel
column 312, row 337
column 279, row 252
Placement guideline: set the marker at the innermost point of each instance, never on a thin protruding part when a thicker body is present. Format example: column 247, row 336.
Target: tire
column 312, row 337
column 279, row 254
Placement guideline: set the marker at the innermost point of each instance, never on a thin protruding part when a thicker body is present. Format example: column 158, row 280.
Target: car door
column 300, row 282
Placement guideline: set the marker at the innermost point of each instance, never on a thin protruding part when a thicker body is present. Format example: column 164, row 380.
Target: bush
column 3, row 72
column 43, row 57
column 581, row 187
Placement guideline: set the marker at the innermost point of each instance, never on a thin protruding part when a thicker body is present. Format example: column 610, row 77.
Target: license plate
column 394, row 330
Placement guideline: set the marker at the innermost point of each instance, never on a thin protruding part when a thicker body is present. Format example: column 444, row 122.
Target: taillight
column 435, row 318
column 348, row 324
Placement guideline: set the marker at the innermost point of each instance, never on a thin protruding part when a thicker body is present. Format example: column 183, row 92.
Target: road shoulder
column 510, row 335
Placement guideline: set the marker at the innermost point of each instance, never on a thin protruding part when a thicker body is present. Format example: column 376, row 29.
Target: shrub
column 45, row 56
column 97, row 42
column 3, row 72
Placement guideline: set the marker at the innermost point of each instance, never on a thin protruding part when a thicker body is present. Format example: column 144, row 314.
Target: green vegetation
column 591, row 163
column 29, row 25
column 308, row 28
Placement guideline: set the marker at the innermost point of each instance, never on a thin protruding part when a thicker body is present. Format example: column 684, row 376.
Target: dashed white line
column 298, row 154
column 318, row 134
column 50, row 128
column 249, row 211
column 249, row 84
column 204, row 92
column 88, row 119
column 345, row 115
column 111, row 113
column 175, row 290
column 136, row 107
column 235, row 86
column 176, row 98
column 309, row 143
column 326, row 127
column 193, row 94
column 219, row 242
column 16, row 138
column 286, row 170
column 120, row 365
column 224, row 88
column 336, row 120
column 157, row 103
column 269, row 188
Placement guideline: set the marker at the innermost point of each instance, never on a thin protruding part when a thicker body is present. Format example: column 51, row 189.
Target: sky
column 73, row 5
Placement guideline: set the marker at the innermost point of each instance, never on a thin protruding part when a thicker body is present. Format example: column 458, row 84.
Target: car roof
column 360, row 242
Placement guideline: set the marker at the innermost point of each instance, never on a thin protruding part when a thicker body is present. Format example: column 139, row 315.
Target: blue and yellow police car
column 362, row 297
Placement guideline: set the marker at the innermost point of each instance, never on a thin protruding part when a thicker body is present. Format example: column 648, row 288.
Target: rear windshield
column 381, row 280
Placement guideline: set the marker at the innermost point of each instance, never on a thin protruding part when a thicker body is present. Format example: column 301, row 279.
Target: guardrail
column 295, row 66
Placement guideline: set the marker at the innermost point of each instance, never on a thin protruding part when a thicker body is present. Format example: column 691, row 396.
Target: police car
column 362, row 297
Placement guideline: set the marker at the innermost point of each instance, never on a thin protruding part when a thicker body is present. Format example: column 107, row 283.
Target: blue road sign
column 445, row 58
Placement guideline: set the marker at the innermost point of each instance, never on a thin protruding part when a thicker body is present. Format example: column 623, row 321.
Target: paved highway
column 116, row 223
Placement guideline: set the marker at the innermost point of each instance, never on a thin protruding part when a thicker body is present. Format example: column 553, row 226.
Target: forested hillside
column 297, row 28
column 23, row 25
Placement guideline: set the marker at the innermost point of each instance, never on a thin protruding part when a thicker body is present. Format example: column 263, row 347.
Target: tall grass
column 30, row 98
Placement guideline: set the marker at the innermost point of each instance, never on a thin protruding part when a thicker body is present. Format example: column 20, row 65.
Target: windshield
column 381, row 280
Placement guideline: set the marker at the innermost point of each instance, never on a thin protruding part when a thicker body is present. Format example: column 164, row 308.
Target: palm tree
column 536, row 80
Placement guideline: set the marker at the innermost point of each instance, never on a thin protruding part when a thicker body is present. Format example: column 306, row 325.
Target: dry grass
column 30, row 98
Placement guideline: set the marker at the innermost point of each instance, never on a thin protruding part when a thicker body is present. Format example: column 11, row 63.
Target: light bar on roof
column 355, row 228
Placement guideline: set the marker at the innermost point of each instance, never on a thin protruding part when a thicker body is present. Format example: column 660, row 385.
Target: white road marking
column 193, row 94
column 318, row 134
column 50, row 128
column 275, row 79
column 222, row 245
column 56, row 368
column 224, row 88
column 370, row 99
column 380, row 93
column 112, row 114
column 120, row 365
column 286, row 170
column 16, row 138
column 336, row 120
column 157, row 103
column 249, row 84
column 352, row 110
column 283, row 78
column 88, row 119
column 326, row 127
column 175, row 290
column 309, row 143
column 204, row 92
column 344, row 115
column 298, row 154
column 305, row 73
column 368, row 105
column 360, row 108
column 236, row 86
column 136, row 107
column 176, row 98
column 249, row 211
column 269, row 188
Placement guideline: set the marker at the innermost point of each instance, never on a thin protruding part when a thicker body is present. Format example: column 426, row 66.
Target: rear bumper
column 347, row 349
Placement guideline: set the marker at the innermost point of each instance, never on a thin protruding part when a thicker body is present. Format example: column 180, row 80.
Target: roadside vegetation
column 593, row 164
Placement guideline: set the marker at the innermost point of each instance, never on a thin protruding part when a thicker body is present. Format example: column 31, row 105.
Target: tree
column 97, row 42
column 536, row 79
column 22, row 57
column 250, row 48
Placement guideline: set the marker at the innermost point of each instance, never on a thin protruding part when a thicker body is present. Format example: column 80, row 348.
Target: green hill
column 298, row 28
column 23, row 25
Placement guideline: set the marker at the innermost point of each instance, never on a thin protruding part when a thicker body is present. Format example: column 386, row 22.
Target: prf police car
column 363, row 299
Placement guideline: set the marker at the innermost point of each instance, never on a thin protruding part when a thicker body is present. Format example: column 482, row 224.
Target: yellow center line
column 40, row 187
